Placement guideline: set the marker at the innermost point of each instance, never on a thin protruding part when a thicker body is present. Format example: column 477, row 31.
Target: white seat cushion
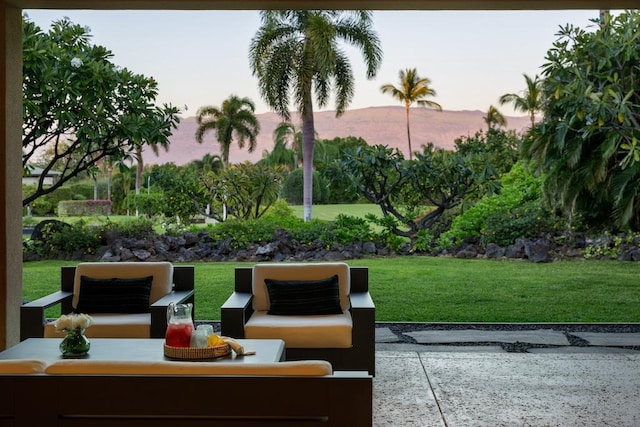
column 136, row 325
column 322, row 331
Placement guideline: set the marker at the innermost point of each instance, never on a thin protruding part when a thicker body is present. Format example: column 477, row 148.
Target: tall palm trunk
column 307, row 160
column 139, row 167
column 407, row 105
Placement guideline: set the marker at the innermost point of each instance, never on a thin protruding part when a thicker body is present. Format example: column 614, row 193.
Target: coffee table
column 134, row 349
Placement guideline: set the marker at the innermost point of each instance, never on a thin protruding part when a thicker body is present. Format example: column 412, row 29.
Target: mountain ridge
column 376, row 125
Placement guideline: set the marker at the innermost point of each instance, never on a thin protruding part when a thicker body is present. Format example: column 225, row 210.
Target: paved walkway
column 468, row 377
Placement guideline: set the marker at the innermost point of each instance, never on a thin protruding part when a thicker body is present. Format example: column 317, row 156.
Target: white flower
column 76, row 62
column 69, row 322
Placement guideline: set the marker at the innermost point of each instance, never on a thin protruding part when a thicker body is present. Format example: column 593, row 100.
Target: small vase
column 75, row 344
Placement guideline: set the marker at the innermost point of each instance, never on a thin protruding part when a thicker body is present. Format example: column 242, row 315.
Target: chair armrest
column 234, row 313
column 363, row 315
column 176, row 297
column 32, row 318
column 159, row 310
column 361, row 300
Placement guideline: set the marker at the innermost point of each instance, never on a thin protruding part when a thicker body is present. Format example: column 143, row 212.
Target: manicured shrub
column 349, row 229
column 504, row 226
column 55, row 240
column 519, row 188
column 84, row 207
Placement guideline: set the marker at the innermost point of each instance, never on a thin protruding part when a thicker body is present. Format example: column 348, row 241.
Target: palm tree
column 604, row 16
column 412, row 89
column 494, row 118
column 287, row 131
column 208, row 163
column 235, row 119
column 530, row 102
column 296, row 53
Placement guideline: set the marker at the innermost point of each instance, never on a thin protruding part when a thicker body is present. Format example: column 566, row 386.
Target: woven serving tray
column 194, row 353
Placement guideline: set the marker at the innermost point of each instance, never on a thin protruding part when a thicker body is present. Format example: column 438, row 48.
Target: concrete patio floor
column 446, row 384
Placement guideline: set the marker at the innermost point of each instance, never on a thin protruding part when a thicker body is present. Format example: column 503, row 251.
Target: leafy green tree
column 244, row 190
column 412, row 195
column 80, row 106
column 528, row 102
column 182, row 195
column 294, row 183
column 297, row 52
column 235, row 119
column 329, row 165
column 490, row 154
column 587, row 144
column 412, row 88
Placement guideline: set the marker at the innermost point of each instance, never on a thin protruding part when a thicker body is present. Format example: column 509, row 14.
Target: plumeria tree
column 587, row 143
column 80, row 107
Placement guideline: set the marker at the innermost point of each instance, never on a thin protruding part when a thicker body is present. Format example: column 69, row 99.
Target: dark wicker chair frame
column 361, row 356
column 32, row 314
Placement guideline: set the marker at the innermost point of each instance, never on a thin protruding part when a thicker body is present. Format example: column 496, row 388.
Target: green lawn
column 428, row 289
column 323, row 212
column 330, row 212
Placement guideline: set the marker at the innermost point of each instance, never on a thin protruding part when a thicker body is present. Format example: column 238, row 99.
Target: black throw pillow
column 127, row 295
column 304, row 297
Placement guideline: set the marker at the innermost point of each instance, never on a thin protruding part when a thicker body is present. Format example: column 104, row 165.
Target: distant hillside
column 376, row 125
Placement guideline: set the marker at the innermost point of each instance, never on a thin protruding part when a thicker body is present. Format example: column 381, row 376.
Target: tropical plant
column 412, row 195
column 494, row 118
column 587, row 143
column 519, row 188
column 289, row 135
column 292, row 188
column 412, row 88
column 81, row 107
column 235, row 119
column 329, row 166
column 530, row 101
column 490, row 154
column 181, row 193
column 296, row 52
column 243, row 190
column 208, row 163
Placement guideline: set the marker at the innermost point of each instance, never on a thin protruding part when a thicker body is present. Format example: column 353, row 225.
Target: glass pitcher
column 179, row 325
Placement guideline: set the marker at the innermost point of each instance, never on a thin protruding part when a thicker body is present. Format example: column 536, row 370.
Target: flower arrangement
column 73, row 321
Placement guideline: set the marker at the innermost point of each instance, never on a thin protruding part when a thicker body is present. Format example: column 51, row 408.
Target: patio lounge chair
column 126, row 318
column 346, row 338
